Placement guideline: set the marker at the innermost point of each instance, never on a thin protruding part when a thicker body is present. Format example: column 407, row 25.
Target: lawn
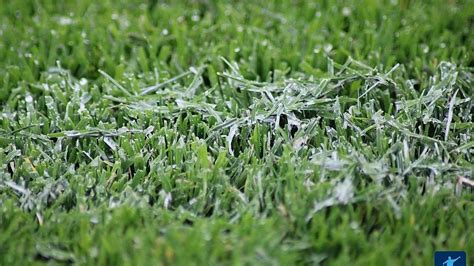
column 236, row 132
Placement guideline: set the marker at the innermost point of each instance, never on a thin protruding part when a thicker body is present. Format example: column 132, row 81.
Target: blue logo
column 450, row 258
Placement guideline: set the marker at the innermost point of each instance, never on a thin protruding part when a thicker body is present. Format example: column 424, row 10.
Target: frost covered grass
column 193, row 133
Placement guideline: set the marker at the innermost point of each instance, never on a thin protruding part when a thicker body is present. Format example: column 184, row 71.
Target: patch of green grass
column 199, row 133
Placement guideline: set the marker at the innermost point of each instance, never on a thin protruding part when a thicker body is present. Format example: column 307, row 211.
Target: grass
column 196, row 133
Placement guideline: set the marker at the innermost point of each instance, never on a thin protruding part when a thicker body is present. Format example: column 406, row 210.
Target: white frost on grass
column 65, row 21
column 342, row 193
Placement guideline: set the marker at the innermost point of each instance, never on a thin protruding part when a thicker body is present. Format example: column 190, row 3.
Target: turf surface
column 218, row 132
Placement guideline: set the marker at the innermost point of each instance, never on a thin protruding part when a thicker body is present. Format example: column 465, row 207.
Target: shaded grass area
column 235, row 133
